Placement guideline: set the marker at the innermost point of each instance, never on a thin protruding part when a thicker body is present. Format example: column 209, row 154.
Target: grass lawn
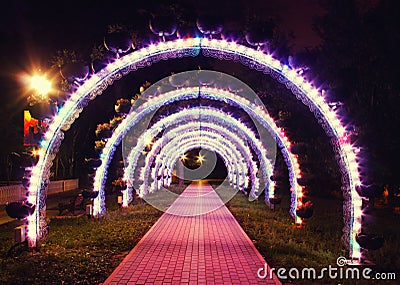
column 281, row 242
column 318, row 243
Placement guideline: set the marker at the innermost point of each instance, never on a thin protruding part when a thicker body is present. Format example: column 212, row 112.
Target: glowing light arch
column 160, row 125
column 192, row 93
column 207, row 141
column 236, row 174
column 309, row 95
column 192, row 142
column 208, row 114
column 236, row 170
column 237, row 167
column 168, row 153
column 191, row 129
column 222, row 149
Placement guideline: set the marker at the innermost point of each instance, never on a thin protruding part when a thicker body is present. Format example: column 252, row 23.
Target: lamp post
column 41, row 109
column 39, row 87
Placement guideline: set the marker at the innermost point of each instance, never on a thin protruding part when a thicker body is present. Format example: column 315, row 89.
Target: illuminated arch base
column 301, row 88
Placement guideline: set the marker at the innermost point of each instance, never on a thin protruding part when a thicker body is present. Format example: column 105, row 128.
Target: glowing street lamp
column 41, row 105
column 41, row 85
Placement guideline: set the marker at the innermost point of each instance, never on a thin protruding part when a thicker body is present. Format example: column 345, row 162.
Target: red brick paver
column 197, row 242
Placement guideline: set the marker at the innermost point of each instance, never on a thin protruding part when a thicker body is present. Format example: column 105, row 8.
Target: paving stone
column 197, row 241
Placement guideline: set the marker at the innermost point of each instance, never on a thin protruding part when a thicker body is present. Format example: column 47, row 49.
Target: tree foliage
column 357, row 60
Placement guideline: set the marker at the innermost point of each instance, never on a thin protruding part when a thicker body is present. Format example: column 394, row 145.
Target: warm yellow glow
column 40, row 84
column 200, row 158
column 148, row 141
column 183, row 157
column 38, row 152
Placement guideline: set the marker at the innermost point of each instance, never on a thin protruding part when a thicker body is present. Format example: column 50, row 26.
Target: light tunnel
column 192, row 141
column 236, row 164
column 223, row 50
column 237, row 176
column 216, row 138
column 241, row 132
column 192, row 93
column 237, row 172
column 135, row 152
column 204, row 137
column 235, row 158
column 206, row 140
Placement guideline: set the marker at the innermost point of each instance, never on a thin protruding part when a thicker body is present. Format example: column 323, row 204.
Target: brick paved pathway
column 195, row 245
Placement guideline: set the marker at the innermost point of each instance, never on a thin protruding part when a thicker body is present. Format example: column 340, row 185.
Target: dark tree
column 357, row 60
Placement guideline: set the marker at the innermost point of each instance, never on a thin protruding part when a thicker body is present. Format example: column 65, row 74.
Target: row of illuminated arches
column 215, row 123
column 256, row 59
column 213, row 94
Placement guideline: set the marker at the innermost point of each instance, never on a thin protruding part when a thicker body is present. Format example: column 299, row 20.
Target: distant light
column 148, row 141
column 37, row 152
column 183, row 157
column 200, row 158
